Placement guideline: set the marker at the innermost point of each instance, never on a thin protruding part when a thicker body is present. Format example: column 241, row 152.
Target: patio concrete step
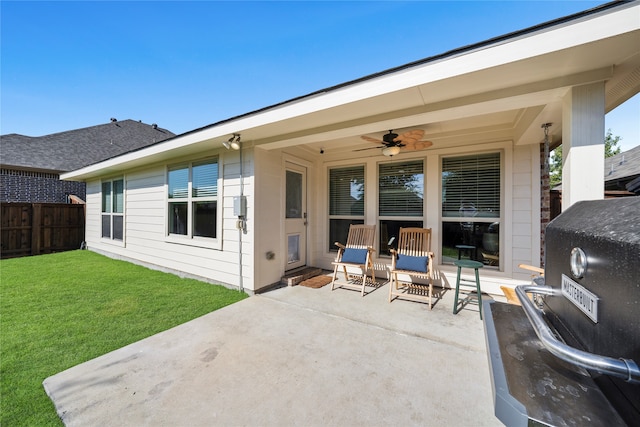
column 293, row 277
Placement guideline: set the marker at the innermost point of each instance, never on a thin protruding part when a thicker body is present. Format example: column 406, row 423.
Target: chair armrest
column 537, row 270
column 340, row 245
column 394, row 257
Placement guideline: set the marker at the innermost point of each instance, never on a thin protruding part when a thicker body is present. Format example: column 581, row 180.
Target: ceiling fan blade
column 368, row 138
column 370, row 148
column 417, row 145
column 410, row 136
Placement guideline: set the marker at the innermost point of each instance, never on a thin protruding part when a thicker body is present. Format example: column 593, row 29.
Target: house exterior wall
column 146, row 240
column 482, row 99
column 263, row 244
column 37, row 187
column 270, row 251
column 271, row 248
column 519, row 222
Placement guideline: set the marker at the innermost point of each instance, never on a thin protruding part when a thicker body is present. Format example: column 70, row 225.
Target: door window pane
column 294, row 195
column 293, row 249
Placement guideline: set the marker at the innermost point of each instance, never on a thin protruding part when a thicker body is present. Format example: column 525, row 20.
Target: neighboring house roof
column 70, row 150
column 619, row 170
column 622, row 168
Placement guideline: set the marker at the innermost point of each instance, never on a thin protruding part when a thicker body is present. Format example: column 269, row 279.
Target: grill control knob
column 578, row 263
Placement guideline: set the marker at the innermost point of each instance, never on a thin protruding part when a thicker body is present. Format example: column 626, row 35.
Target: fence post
column 36, row 221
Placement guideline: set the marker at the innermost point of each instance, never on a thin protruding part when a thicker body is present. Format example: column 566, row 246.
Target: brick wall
column 545, row 203
column 37, row 187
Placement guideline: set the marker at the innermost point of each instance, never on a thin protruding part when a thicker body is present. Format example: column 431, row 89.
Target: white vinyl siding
column 146, row 236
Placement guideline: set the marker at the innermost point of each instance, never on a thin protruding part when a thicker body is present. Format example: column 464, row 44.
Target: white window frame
column 357, row 219
column 189, row 238
column 501, row 218
column 111, row 212
column 379, row 218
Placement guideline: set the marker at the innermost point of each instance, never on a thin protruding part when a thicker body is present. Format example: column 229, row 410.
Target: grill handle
column 626, row 369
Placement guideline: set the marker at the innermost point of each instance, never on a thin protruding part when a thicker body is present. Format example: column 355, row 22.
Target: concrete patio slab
column 293, row 356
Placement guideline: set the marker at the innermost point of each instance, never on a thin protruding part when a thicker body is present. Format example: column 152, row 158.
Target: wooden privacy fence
column 40, row 228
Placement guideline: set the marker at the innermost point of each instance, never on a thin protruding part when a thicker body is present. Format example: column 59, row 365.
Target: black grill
column 571, row 356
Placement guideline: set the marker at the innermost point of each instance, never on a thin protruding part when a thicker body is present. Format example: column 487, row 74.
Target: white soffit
column 527, row 47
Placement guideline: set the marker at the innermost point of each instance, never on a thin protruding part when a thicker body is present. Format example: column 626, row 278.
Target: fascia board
column 490, row 57
column 156, row 151
column 513, row 50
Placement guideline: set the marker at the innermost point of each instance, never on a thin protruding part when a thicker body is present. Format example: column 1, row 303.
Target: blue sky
column 183, row 65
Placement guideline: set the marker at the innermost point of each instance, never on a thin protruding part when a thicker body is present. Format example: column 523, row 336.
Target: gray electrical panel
column 240, row 206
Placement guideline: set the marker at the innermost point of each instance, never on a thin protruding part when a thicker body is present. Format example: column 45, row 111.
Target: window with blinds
column 346, row 202
column 400, row 200
column 471, row 208
column 346, row 191
column 471, row 186
column 192, row 191
column 178, row 183
column 205, row 180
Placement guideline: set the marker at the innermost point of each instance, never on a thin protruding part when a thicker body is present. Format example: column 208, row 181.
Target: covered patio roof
column 500, row 89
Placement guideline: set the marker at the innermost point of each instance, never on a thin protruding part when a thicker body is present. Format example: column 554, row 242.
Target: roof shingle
column 74, row 149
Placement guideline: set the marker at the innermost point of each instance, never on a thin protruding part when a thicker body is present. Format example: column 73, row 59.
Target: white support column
column 583, row 144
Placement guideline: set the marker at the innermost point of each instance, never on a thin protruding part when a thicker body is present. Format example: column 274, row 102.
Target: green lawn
column 63, row 309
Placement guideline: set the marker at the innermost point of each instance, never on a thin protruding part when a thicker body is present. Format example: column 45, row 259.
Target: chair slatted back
column 361, row 236
column 414, row 241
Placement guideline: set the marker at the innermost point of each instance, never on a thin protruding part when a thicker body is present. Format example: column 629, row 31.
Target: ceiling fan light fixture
column 391, row 151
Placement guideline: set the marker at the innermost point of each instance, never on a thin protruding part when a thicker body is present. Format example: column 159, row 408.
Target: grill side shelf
column 530, row 384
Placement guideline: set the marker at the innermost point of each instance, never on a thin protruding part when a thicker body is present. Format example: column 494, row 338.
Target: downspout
column 239, row 203
column 241, row 221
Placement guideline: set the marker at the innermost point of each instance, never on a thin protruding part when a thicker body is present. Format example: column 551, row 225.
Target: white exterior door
column 296, row 216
